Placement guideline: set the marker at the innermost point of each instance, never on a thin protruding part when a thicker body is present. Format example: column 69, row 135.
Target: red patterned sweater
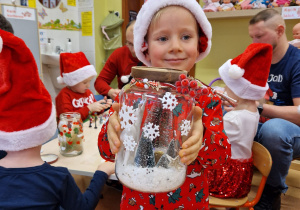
column 69, row 101
column 193, row 194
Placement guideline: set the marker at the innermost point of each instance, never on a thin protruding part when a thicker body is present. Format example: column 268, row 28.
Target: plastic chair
column 263, row 162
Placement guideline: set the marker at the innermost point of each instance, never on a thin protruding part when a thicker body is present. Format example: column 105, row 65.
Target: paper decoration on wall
column 42, row 14
column 62, row 7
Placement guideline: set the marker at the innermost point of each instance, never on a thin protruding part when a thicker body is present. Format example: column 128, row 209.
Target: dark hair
column 130, row 23
column 264, row 16
column 5, row 24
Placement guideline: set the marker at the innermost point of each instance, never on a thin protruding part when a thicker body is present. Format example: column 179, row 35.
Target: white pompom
column 60, row 80
column 125, row 79
column 235, row 72
column 1, row 44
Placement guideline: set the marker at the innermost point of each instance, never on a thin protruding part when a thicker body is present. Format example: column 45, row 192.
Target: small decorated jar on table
column 70, row 135
column 155, row 121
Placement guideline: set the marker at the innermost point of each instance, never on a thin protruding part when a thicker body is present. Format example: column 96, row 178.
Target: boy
column 77, row 73
column 176, row 34
column 28, row 121
column 246, row 79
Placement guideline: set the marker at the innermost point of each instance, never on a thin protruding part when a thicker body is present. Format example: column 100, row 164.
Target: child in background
column 246, row 80
column 296, row 35
column 28, row 121
column 77, row 73
column 175, row 34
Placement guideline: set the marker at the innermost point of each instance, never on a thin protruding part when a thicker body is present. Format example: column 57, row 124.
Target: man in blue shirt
column 281, row 133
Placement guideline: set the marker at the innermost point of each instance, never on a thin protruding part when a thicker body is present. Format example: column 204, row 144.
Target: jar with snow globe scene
column 70, row 134
column 155, row 121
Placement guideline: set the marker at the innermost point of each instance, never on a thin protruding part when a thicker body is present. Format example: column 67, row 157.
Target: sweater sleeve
column 72, row 198
column 107, row 74
column 103, row 144
column 215, row 148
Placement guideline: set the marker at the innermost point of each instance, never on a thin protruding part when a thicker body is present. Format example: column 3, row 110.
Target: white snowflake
column 169, row 101
column 151, row 131
column 129, row 143
column 127, row 116
column 185, row 127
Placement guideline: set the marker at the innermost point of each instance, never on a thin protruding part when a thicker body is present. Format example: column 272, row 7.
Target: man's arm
column 106, row 76
column 289, row 113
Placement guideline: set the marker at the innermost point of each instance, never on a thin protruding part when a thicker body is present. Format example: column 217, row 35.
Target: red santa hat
column 27, row 114
column 149, row 9
column 74, row 68
column 247, row 74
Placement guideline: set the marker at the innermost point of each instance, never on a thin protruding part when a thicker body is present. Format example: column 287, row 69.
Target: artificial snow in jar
column 155, row 121
column 70, row 135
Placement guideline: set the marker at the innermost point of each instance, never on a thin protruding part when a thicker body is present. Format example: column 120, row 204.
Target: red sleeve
column 103, row 144
column 107, row 74
column 215, row 148
column 118, row 64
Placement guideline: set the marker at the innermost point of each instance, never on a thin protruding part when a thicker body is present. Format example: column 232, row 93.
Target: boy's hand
column 191, row 147
column 98, row 106
column 107, row 167
column 114, row 130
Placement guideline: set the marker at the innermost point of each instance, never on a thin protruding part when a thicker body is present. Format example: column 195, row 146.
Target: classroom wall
column 102, row 9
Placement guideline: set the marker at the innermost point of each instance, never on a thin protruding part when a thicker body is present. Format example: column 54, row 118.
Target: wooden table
column 84, row 164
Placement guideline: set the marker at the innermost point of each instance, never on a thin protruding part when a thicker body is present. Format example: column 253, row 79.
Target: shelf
column 235, row 14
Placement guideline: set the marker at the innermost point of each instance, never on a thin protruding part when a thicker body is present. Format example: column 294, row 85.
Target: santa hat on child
column 27, row 114
column 247, row 74
column 149, row 9
column 74, row 68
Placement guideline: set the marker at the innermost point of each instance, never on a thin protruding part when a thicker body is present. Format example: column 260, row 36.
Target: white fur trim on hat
column 235, row 72
column 60, row 80
column 20, row 140
column 241, row 87
column 146, row 13
column 79, row 75
column 1, row 44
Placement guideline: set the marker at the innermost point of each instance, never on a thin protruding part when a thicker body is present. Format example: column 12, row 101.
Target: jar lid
column 157, row 74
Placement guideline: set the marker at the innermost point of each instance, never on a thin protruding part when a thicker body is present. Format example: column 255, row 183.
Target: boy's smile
column 173, row 39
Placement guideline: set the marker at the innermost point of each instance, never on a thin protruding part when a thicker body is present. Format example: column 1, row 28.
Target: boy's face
column 173, row 40
column 81, row 87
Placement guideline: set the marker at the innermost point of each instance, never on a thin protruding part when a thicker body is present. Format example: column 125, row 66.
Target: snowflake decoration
column 129, row 143
column 169, row 101
column 127, row 116
column 185, row 127
column 151, row 131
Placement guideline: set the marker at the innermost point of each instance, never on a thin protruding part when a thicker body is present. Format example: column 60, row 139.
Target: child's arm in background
column 215, row 148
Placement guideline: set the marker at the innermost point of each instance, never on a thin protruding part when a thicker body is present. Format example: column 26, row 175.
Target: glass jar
column 70, row 135
column 155, row 121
